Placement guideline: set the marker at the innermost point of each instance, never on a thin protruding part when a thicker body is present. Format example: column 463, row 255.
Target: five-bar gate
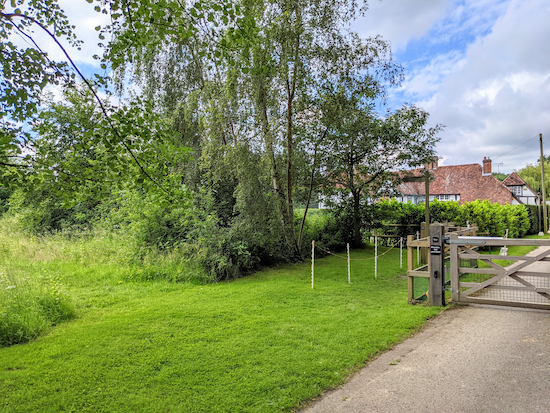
column 525, row 283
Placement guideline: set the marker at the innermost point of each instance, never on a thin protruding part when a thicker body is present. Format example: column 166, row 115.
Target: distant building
column 465, row 183
column 523, row 192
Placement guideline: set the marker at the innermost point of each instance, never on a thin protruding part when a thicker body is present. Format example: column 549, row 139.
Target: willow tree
column 531, row 174
column 252, row 76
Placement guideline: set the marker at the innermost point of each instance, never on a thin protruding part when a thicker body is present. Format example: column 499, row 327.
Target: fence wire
column 354, row 259
column 499, row 291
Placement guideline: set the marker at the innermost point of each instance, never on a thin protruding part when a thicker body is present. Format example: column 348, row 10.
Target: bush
column 5, row 194
column 326, row 228
column 392, row 217
column 443, row 211
column 40, row 212
column 535, row 223
column 494, row 219
column 28, row 307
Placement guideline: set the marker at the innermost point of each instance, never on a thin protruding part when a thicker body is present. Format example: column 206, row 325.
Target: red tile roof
column 514, row 180
column 464, row 180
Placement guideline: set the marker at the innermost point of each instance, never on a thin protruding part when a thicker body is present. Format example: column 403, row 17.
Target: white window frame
column 517, row 190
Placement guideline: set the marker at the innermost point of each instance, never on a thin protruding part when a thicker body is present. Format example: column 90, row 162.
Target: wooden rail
column 513, row 285
column 423, row 271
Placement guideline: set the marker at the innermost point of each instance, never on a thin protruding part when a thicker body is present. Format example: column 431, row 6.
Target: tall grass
column 29, row 306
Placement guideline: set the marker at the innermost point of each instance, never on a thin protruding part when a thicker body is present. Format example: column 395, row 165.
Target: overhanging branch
column 11, row 16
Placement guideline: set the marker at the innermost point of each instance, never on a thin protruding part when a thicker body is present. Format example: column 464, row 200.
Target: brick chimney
column 433, row 164
column 487, row 166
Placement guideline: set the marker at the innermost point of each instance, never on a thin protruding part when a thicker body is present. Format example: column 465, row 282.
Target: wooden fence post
column 455, row 263
column 410, row 267
column 312, row 265
column 424, row 252
column 437, row 265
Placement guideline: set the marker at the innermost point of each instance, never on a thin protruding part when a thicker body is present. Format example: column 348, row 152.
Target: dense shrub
column 41, row 212
column 443, row 211
column 535, row 223
column 5, row 195
column 391, row 217
column 494, row 219
column 399, row 219
column 147, row 221
column 326, row 228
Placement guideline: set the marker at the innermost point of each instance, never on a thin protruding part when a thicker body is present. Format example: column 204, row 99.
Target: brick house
column 462, row 183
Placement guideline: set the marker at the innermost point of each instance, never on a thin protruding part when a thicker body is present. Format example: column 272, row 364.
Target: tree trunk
column 286, row 211
column 357, row 239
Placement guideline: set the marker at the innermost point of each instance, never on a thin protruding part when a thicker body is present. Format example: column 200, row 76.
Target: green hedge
column 535, row 224
column 492, row 219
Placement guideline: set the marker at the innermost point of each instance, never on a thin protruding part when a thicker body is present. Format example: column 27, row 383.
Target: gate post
column 437, row 267
column 455, row 264
column 410, row 267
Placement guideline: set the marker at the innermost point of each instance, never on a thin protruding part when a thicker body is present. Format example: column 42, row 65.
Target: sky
column 481, row 68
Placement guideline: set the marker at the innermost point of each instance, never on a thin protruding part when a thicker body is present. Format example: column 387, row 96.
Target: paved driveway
column 469, row 359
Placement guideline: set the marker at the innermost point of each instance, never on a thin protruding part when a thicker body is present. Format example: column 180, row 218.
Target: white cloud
column 82, row 15
column 498, row 98
column 424, row 80
column 399, row 21
column 473, row 18
column 480, row 67
column 85, row 18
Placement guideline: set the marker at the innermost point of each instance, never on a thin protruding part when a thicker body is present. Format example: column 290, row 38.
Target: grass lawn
column 264, row 343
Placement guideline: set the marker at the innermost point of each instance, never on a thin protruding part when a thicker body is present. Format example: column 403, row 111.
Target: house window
column 447, row 197
column 517, row 190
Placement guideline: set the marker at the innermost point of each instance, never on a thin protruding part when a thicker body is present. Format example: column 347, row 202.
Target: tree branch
column 10, row 16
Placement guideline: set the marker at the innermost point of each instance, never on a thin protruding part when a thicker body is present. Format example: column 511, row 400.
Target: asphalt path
column 469, row 359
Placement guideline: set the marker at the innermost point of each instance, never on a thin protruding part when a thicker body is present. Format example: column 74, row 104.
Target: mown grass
column 264, row 343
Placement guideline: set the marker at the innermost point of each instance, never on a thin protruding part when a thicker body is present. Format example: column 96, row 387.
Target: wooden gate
column 524, row 283
column 422, row 268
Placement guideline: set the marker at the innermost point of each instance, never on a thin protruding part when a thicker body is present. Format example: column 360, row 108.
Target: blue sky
column 479, row 67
